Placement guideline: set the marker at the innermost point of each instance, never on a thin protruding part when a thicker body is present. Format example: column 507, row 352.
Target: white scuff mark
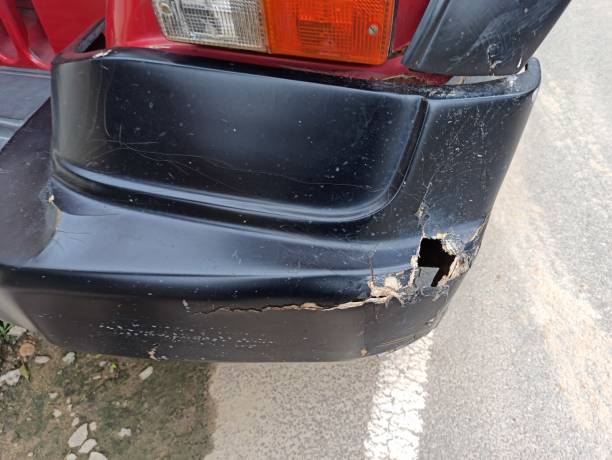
column 391, row 288
column 494, row 64
column 396, row 423
column 102, row 54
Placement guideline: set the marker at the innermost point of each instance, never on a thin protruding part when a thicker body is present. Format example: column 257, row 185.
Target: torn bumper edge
column 299, row 295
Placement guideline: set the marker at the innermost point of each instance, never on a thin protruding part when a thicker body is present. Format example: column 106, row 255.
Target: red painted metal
column 33, row 31
column 65, row 20
column 22, row 41
column 132, row 23
column 407, row 18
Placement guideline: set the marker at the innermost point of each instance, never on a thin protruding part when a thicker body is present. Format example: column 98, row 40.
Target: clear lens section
column 228, row 23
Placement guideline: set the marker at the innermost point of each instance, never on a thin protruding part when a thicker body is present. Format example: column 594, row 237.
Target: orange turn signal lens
column 340, row 30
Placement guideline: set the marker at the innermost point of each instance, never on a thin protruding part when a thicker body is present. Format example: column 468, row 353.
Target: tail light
column 341, row 30
column 228, row 23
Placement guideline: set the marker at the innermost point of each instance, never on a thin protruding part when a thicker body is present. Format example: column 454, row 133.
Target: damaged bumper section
column 190, row 209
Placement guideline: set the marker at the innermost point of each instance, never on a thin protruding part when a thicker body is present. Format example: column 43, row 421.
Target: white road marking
column 396, row 424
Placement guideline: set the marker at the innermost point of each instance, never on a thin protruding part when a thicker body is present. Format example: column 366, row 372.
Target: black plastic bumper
column 481, row 37
column 201, row 210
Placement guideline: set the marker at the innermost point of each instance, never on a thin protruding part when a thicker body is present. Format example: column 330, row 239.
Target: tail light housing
column 356, row 31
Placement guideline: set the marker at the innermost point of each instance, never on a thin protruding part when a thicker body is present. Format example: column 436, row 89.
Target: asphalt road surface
column 521, row 367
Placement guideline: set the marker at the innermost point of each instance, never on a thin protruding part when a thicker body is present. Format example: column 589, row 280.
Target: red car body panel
column 33, row 32
column 132, row 23
column 408, row 15
column 65, row 20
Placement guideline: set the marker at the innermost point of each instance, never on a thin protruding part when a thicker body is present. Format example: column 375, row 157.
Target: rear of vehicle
column 253, row 180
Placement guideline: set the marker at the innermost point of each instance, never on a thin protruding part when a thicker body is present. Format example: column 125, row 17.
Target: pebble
column 93, row 426
column 69, row 357
column 17, row 331
column 27, row 349
column 57, row 413
column 75, row 421
column 97, row 456
column 146, row 373
column 70, row 456
column 102, row 364
column 11, row 378
column 53, row 395
column 41, row 359
column 78, row 437
column 125, row 433
column 88, row 446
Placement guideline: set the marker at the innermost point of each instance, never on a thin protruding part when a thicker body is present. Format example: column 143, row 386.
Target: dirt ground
column 132, row 418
